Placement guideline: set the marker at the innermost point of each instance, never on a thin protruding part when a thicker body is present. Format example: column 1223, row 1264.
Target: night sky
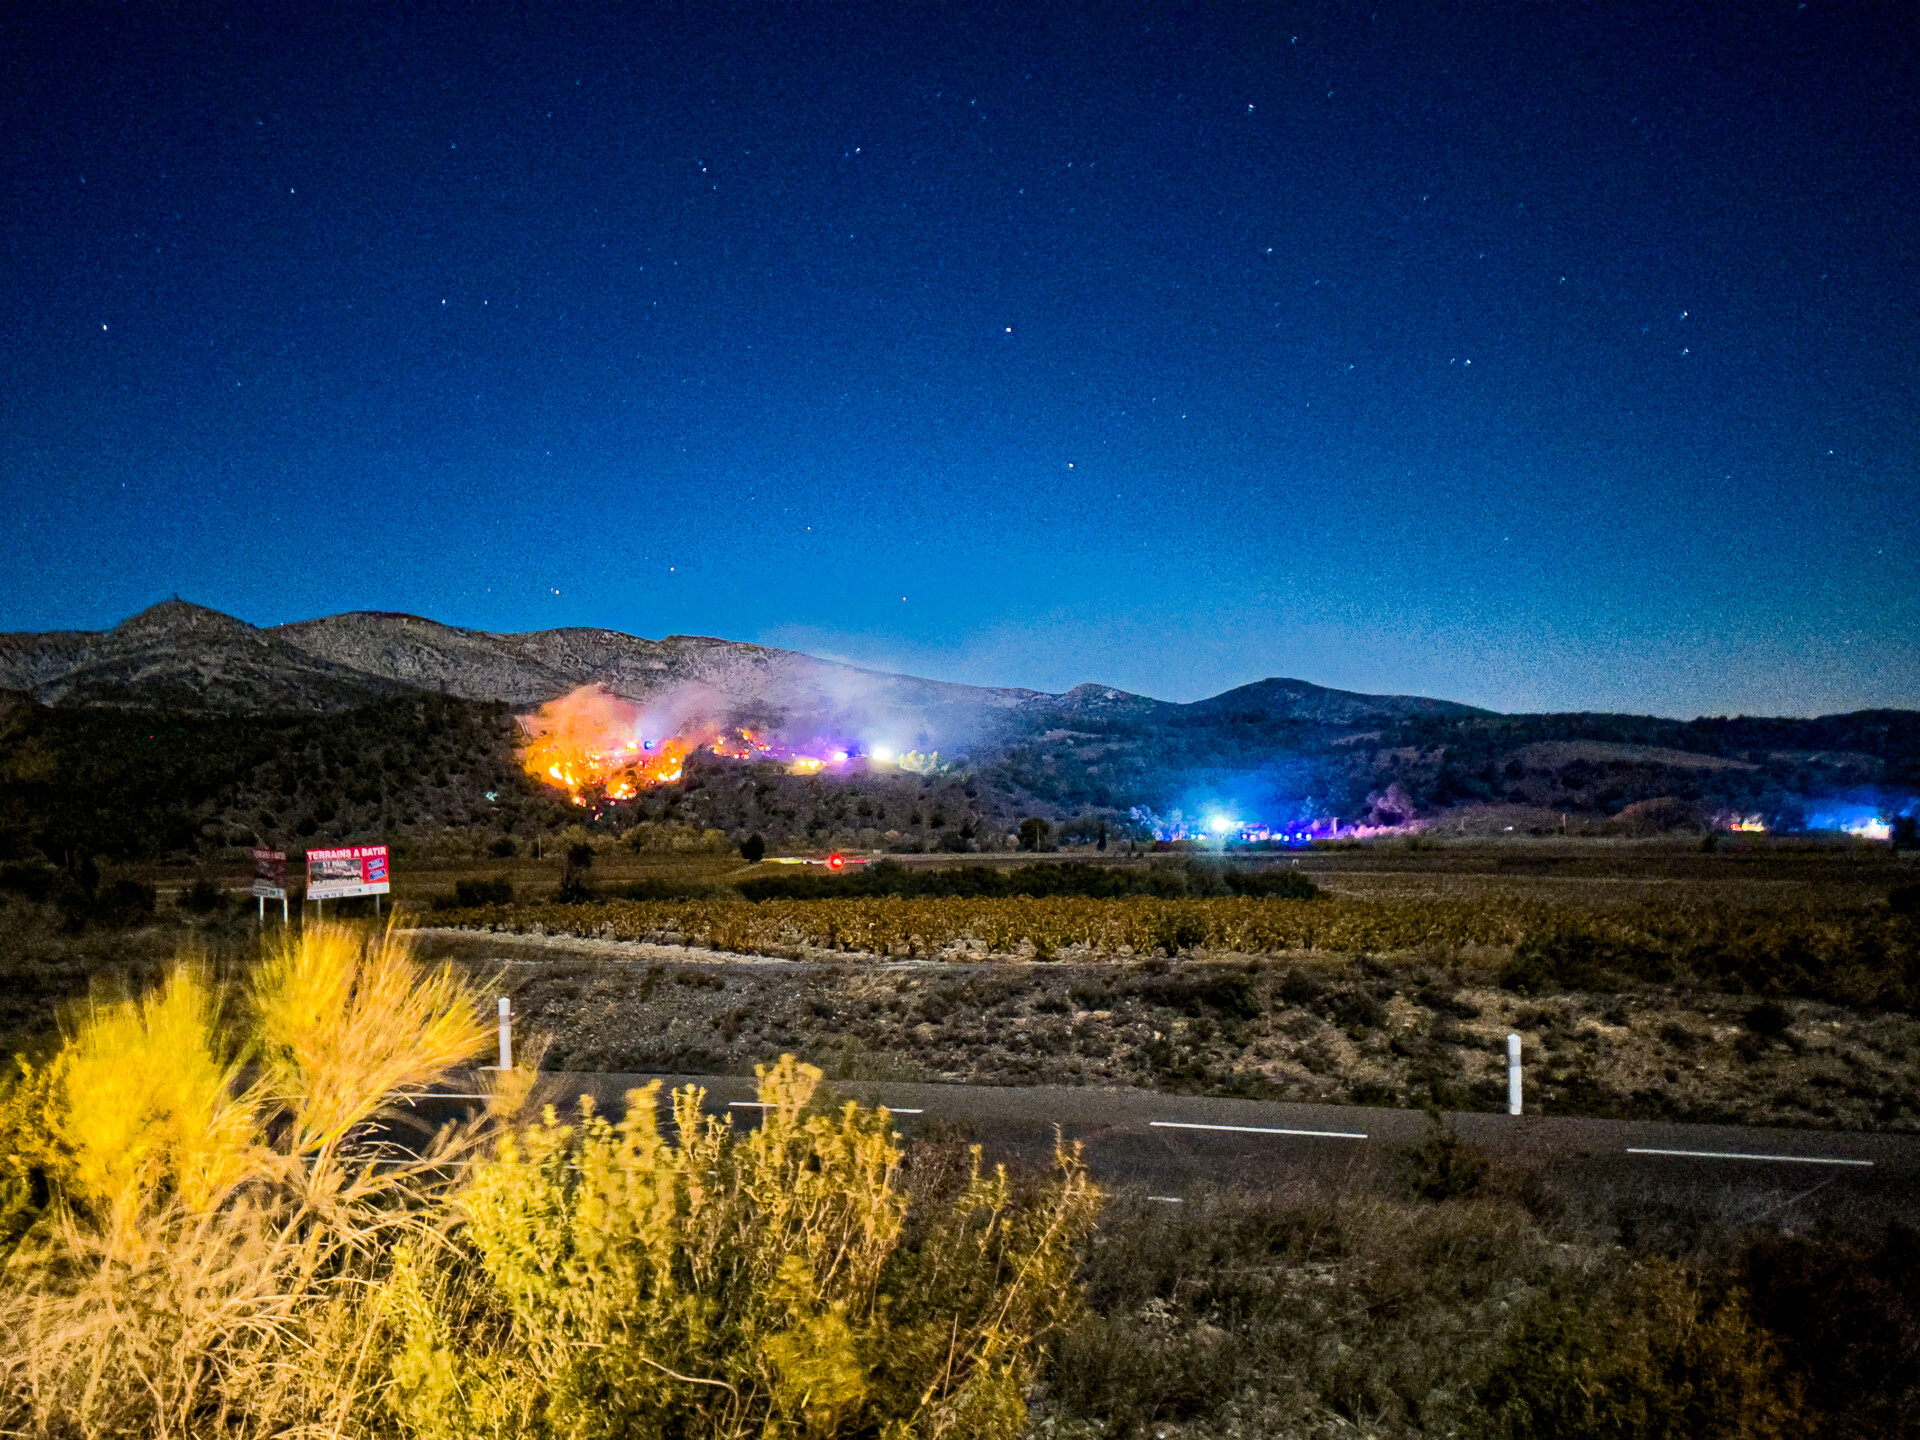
column 1540, row 357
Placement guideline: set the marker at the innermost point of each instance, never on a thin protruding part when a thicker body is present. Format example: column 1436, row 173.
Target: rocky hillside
column 275, row 703
column 177, row 656
column 182, row 657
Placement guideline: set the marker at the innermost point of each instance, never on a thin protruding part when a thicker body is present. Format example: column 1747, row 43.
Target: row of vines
column 1838, row 950
column 982, row 927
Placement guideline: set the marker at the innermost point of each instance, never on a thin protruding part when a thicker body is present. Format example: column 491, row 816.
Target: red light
column 836, row 862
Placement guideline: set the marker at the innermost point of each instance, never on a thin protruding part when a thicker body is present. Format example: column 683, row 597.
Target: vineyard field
column 1847, row 949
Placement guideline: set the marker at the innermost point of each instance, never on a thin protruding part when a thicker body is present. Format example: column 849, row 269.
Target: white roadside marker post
column 506, row 1033
column 1513, row 1074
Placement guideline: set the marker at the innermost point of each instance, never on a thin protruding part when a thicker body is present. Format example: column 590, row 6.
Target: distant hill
column 184, row 727
column 184, row 657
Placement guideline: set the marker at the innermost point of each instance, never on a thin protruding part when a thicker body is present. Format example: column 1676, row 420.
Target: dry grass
column 208, row 1234
column 1356, row 1313
column 611, row 1280
column 207, row 1231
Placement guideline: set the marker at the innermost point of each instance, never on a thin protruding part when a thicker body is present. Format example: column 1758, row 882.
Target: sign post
column 347, row 871
column 270, row 881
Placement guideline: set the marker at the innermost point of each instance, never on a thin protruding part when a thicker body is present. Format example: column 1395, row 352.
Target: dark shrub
column 1567, row 957
column 655, row 888
column 1271, row 884
column 1357, row 1010
column 1526, row 975
column 1442, row 1166
column 471, row 894
column 37, row 883
column 1129, row 1374
column 498, row 891
column 753, row 849
column 1174, row 933
column 124, row 902
column 1680, row 1037
column 203, row 897
column 573, row 889
column 1847, row 1318
column 1298, row 987
column 1769, row 1019
column 1230, row 995
column 1657, row 1355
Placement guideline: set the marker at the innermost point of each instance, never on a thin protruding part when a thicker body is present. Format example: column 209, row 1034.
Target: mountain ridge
column 371, row 723
column 180, row 655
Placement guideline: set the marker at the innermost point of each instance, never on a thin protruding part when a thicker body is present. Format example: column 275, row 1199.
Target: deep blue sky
column 1543, row 357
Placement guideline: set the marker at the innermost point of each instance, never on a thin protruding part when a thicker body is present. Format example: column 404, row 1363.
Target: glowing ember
column 592, row 741
column 596, row 746
column 742, row 744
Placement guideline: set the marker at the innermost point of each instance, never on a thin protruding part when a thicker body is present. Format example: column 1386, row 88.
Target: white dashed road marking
column 1736, row 1155
column 1255, row 1130
column 762, row 1105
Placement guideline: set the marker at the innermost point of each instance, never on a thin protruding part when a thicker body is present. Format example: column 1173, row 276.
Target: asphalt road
column 1174, row 1146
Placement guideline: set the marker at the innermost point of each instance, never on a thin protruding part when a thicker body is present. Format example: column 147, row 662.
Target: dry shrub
column 208, row 1233
column 1653, row 1353
column 1376, row 1311
column 1362, row 1314
column 197, row 1203
column 1846, row 1313
column 613, row 1281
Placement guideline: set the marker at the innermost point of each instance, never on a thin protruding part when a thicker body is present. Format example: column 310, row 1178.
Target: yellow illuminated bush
column 147, row 1101
column 341, row 1022
column 201, row 1234
column 192, row 1223
column 615, row 1281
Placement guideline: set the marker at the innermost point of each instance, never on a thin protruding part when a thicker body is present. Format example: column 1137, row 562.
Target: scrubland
column 1765, row 984
column 214, row 1223
column 217, row 1220
column 1304, row 1029
column 1770, row 986
column 214, row 1220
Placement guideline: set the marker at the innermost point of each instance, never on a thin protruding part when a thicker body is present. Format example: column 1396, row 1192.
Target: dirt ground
column 1312, row 1028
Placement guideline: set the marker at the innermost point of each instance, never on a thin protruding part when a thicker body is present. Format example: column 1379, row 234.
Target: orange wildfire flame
column 590, row 740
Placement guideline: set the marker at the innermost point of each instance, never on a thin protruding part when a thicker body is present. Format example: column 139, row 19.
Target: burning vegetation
column 590, row 740
column 592, row 744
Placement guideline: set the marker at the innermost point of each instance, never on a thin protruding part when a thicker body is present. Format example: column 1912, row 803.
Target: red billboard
column 270, row 874
column 347, row 871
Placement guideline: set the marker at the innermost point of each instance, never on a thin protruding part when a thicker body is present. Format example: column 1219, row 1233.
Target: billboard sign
column 270, row 874
column 347, row 871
